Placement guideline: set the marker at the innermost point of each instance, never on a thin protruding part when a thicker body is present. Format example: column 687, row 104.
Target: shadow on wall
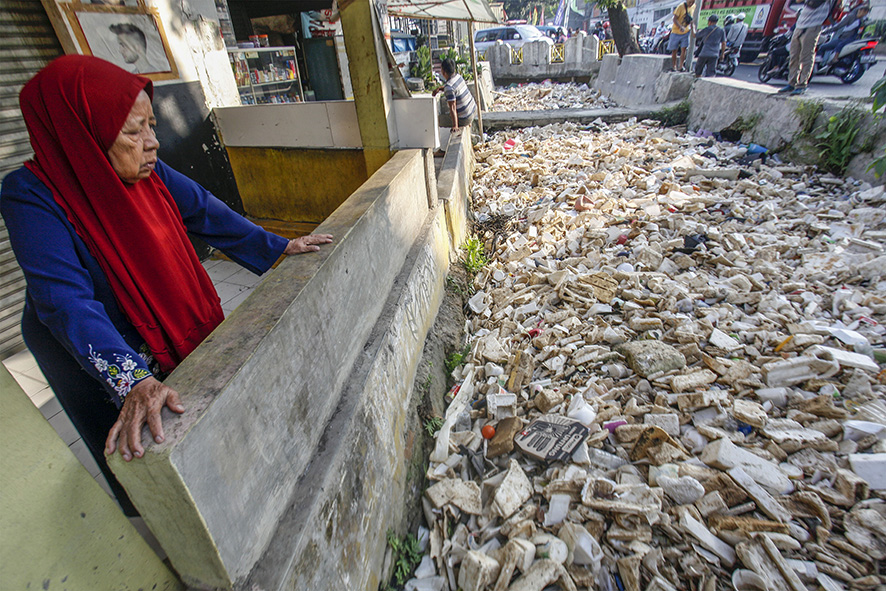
column 190, row 144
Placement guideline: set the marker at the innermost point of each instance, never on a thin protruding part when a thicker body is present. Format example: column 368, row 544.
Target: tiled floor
column 233, row 284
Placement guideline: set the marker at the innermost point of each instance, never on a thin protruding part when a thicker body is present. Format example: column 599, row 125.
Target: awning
column 450, row 10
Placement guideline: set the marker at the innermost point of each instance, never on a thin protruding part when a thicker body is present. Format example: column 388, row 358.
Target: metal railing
column 516, row 55
column 605, row 46
column 558, row 53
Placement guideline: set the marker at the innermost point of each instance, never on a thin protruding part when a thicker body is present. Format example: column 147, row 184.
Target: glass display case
column 266, row 75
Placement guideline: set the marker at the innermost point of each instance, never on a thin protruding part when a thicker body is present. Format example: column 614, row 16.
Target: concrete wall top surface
column 261, row 389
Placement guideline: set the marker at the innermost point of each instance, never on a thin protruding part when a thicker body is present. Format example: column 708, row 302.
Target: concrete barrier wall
column 605, row 81
column 636, row 77
column 773, row 117
column 773, row 121
column 580, row 61
column 260, row 392
column 333, row 535
column 454, row 187
column 641, row 80
column 60, row 530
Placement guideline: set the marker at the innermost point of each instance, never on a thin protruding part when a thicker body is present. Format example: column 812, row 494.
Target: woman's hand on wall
column 142, row 405
column 309, row 243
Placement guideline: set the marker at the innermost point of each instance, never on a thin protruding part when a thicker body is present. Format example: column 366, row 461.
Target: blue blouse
column 69, row 292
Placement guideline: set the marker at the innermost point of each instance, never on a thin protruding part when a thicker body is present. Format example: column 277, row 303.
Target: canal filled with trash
column 672, row 374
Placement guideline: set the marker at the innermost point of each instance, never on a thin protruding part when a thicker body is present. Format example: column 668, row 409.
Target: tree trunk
column 621, row 30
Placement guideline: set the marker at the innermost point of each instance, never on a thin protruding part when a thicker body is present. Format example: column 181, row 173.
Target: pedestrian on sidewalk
column 812, row 16
column 712, row 45
column 680, row 31
column 462, row 107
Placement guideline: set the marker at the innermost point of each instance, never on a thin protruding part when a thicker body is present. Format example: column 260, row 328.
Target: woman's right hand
column 142, row 405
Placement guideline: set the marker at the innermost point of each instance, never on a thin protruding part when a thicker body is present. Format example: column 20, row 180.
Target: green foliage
column 406, row 556
column 463, row 288
column 462, row 62
column 807, row 112
column 743, row 124
column 456, row 358
column 834, row 142
column 424, row 69
column 474, row 258
column 676, row 115
column 607, row 4
column 433, row 424
column 520, row 9
column 878, row 92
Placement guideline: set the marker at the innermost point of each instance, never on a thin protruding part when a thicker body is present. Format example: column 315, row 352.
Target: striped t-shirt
column 456, row 89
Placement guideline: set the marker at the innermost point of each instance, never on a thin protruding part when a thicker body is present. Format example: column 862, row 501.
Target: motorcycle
column 726, row 66
column 855, row 58
column 660, row 46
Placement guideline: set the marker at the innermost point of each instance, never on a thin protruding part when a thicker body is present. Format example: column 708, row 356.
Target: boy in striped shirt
column 462, row 107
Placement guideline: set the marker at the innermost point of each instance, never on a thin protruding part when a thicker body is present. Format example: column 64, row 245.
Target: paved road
column 825, row 86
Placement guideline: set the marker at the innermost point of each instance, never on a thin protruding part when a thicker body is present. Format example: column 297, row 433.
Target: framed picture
column 128, row 35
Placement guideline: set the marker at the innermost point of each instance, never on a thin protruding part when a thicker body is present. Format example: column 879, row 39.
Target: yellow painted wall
column 58, row 528
column 295, row 184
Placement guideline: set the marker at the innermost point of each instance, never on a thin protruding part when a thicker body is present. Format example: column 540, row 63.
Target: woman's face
column 134, row 153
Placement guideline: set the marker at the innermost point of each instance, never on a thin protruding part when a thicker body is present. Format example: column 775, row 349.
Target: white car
column 516, row 35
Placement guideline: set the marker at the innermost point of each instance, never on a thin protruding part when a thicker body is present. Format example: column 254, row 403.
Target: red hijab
column 74, row 109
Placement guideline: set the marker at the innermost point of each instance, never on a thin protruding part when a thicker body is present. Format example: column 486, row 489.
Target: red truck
column 764, row 19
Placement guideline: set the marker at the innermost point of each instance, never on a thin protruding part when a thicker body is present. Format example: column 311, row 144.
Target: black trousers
column 82, row 397
column 706, row 66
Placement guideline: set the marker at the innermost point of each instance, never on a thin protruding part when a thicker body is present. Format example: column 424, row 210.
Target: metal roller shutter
column 27, row 43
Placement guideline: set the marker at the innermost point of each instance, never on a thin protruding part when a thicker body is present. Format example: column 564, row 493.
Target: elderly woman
column 116, row 296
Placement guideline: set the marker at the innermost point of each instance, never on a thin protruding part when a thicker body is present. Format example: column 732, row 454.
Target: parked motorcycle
column 854, row 60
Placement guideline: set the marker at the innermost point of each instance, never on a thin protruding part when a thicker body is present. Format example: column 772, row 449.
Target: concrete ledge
column 516, row 119
column 333, row 535
column 774, row 117
column 636, row 77
column 454, row 187
column 608, row 71
column 60, row 529
column 261, row 390
column 579, row 61
column 772, row 120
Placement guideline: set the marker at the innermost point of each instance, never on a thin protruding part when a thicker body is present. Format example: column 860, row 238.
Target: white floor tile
column 228, row 291
column 20, row 362
column 83, row 454
column 238, row 299
column 102, row 482
column 244, row 277
column 223, row 270
column 65, row 429
column 36, row 374
column 51, row 408
column 210, row 263
column 29, row 385
column 41, row 398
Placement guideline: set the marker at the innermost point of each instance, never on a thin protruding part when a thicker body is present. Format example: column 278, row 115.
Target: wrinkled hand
column 142, row 405
column 307, row 243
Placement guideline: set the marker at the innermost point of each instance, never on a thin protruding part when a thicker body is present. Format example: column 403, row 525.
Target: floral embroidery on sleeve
column 121, row 375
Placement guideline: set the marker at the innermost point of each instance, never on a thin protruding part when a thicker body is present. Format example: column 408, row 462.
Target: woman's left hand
column 142, row 405
column 309, row 243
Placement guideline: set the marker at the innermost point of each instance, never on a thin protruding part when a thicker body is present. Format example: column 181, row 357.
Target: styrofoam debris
column 688, row 364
